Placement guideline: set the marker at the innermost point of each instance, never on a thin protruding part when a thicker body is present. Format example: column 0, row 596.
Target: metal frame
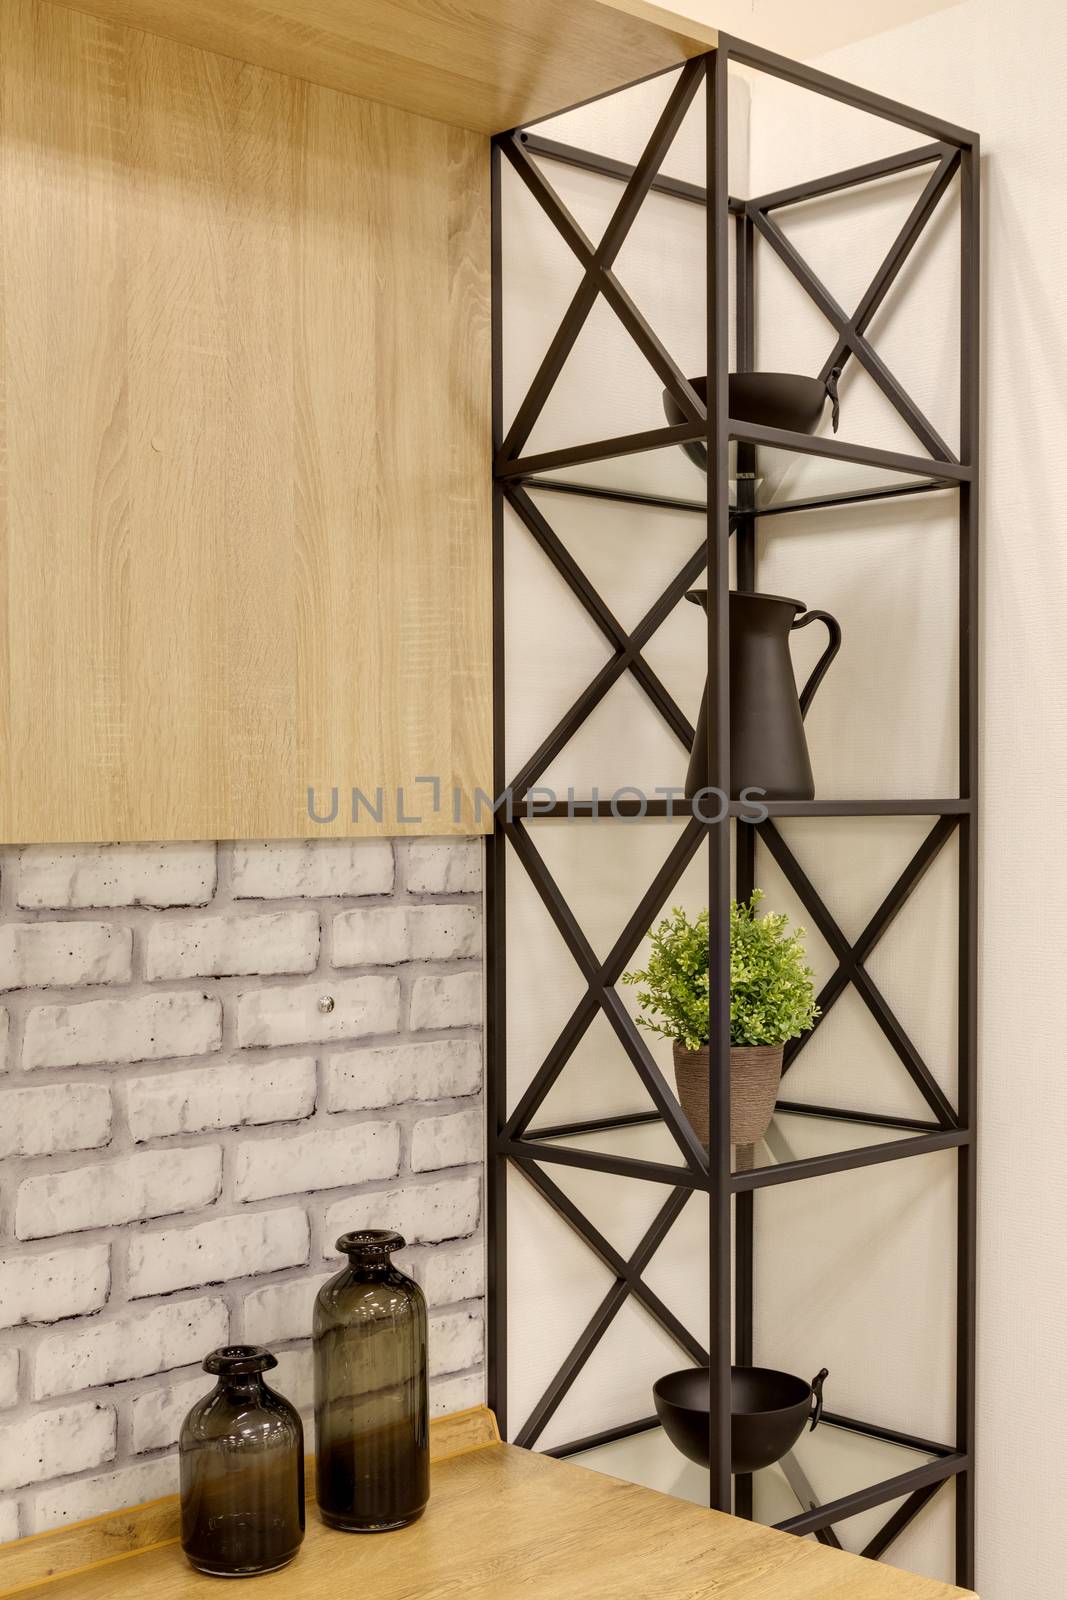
column 514, row 1139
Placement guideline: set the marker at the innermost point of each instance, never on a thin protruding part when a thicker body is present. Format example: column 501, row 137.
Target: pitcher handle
column 816, row 1395
column 819, row 671
column 832, row 395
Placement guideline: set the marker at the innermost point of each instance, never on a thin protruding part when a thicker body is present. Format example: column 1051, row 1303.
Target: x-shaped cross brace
column 628, row 1281
column 597, row 261
column 601, row 994
column 627, row 646
column 851, row 957
column 851, row 331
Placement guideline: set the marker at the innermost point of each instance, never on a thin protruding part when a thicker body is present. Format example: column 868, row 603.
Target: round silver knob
column 326, row 1004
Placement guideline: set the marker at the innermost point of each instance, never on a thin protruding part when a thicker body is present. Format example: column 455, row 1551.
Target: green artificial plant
column 772, row 997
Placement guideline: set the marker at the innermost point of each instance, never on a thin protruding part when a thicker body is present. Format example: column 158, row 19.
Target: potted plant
column 772, row 999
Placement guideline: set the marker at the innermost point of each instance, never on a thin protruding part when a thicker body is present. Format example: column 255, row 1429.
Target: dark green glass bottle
column 242, row 1470
column 371, row 1408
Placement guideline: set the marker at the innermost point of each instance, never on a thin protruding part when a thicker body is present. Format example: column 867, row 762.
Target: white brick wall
column 57, row 1441
column 153, row 1184
column 451, row 1141
column 161, row 1260
column 33, row 954
column 314, row 868
column 44, row 1286
column 328, row 1158
column 296, row 1015
column 147, row 1028
column 83, row 1355
column 236, row 1092
column 360, row 1080
column 10, row 1361
column 61, row 1116
column 446, row 1000
column 384, row 935
column 424, row 1214
column 211, row 947
column 187, row 1125
column 51, row 877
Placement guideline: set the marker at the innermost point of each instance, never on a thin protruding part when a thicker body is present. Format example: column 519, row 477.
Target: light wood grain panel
column 246, row 439
column 123, row 1533
column 502, row 1521
column 482, row 64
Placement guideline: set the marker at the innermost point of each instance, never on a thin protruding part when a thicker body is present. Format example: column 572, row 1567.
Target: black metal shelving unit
column 515, row 1140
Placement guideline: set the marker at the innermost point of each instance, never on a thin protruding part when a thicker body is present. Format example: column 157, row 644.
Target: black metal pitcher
column 768, row 750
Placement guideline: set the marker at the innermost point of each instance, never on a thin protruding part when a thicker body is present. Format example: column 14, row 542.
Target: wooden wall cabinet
column 245, row 401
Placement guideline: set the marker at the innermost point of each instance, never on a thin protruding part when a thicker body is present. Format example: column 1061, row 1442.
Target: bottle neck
column 367, row 1265
column 247, row 1386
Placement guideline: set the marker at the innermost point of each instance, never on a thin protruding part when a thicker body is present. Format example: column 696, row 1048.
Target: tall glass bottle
column 371, row 1409
column 242, row 1470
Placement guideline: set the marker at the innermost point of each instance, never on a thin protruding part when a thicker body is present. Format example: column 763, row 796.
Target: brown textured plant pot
column 755, row 1071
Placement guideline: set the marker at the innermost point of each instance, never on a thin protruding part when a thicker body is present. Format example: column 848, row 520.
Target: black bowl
column 769, row 1410
column 775, row 399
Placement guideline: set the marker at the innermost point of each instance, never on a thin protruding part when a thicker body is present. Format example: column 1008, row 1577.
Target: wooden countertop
column 504, row 1524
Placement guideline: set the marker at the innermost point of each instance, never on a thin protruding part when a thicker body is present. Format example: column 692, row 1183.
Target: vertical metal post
column 496, row 1167
column 718, row 778
column 745, row 836
column 969, row 501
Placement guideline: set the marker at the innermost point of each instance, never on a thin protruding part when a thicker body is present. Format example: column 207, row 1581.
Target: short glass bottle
column 371, row 1405
column 242, row 1470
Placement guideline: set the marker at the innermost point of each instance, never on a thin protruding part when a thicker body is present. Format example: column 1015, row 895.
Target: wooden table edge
column 114, row 1536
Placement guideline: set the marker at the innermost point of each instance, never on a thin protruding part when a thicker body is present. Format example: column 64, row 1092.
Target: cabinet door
column 245, row 434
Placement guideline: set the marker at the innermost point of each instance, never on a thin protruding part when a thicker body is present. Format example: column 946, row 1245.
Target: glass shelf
column 798, row 1144
column 786, row 481
column 823, row 1467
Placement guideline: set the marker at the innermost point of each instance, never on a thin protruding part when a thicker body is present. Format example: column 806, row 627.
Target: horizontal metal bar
column 599, row 1161
column 699, row 507
column 792, row 1108
column 627, row 444
column 827, row 502
column 626, row 496
column 809, row 444
column 625, row 808
column 836, row 182
column 873, row 1155
column 870, row 1119
column 942, row 1452
column 568, row 1130
column 874, row 1430
column 625, row 1430
column 607, row 167
column 944, row 807
column 850, row 1505
column 849, row 94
